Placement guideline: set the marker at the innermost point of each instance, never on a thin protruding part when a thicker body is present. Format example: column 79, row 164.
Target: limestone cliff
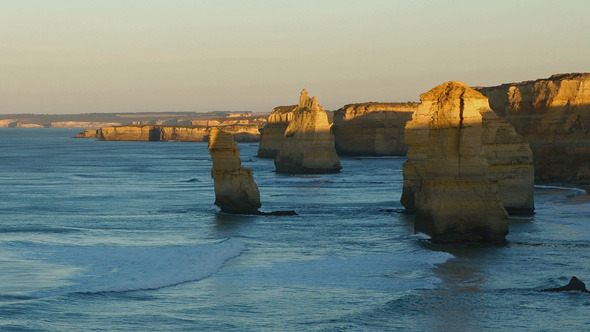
column 273, row 133
column 446, row 177
column 235, row 189
column 8, row 123
column 308, row 146
column 243, row 133
column 553, row 115
column 372, row 128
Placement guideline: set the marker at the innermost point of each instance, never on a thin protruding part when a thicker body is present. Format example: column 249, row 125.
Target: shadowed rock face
column 235, row 189
column 446, row 177
column 273, row 133
column 553, row 115
column 308, row 146
column 372, row 129
column 510, row 163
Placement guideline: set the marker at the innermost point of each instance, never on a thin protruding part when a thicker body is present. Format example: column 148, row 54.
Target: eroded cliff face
column 242, row 133
column 510, row 161
column 273, row 133
column 235, row 189
column 372, row 129
column 553, row 115
column 446, row 178
column 308, row 145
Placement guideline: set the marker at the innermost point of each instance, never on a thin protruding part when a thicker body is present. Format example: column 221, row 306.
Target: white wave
column 119, row 269
column 577, row 190
column 389, row 272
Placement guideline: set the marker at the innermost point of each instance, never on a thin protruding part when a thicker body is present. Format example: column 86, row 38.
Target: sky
column 84, row 56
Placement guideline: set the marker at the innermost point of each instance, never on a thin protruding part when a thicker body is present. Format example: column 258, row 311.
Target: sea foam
column 379, row 271
column 119, row 269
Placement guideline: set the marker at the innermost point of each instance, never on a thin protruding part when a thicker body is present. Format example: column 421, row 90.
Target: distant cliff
column 372, row 128
column 96, row 120
column 243, row 133
column 553, row 115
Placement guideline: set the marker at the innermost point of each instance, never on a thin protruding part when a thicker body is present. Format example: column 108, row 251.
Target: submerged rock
column 553, row 115
column 235, row 189
column 446, row 177
column 308, row 146
column 372, row 129
column 575, row 284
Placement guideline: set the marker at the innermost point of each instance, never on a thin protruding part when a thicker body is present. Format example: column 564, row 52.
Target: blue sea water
column 124, row 236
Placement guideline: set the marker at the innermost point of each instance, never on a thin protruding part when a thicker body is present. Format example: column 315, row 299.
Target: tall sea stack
column 308, row 146
column 446, row 178
column 235, row 189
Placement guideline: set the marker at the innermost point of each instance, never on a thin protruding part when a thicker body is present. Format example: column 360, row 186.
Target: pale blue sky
column 76, row 56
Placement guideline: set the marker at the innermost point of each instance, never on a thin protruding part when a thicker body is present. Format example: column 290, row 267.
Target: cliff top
column 284, row 109
column 309, row 103
column 380, row 105
column 451, row 90
column 219, row 139
column 555, row 77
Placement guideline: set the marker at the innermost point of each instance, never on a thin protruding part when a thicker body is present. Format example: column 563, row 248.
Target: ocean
column 124, row 236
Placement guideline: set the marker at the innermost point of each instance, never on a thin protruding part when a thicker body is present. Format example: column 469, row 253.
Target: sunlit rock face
column 242, row 133
column 273, row 133
column 89, row 133
column 235, row 189
column 308, row 146
column 446, row 178
column 372, row 129
column 553, row 115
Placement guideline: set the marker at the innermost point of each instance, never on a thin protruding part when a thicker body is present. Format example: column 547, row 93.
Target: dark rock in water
column 575, row 284
column 277, row 213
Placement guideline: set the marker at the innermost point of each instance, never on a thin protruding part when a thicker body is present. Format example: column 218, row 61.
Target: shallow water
column 123, row 236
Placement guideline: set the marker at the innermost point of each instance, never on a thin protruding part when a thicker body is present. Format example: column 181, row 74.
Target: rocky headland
column 446, row 177
column 308, row 145
column 235, row 189
column 372, row 129
column 553, row 115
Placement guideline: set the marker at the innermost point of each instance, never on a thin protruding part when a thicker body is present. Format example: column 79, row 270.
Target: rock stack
column 308, row 146
column 446, row 178
column 273, row 133
column 553, row 115
column 235, row 189
column 372, row 129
